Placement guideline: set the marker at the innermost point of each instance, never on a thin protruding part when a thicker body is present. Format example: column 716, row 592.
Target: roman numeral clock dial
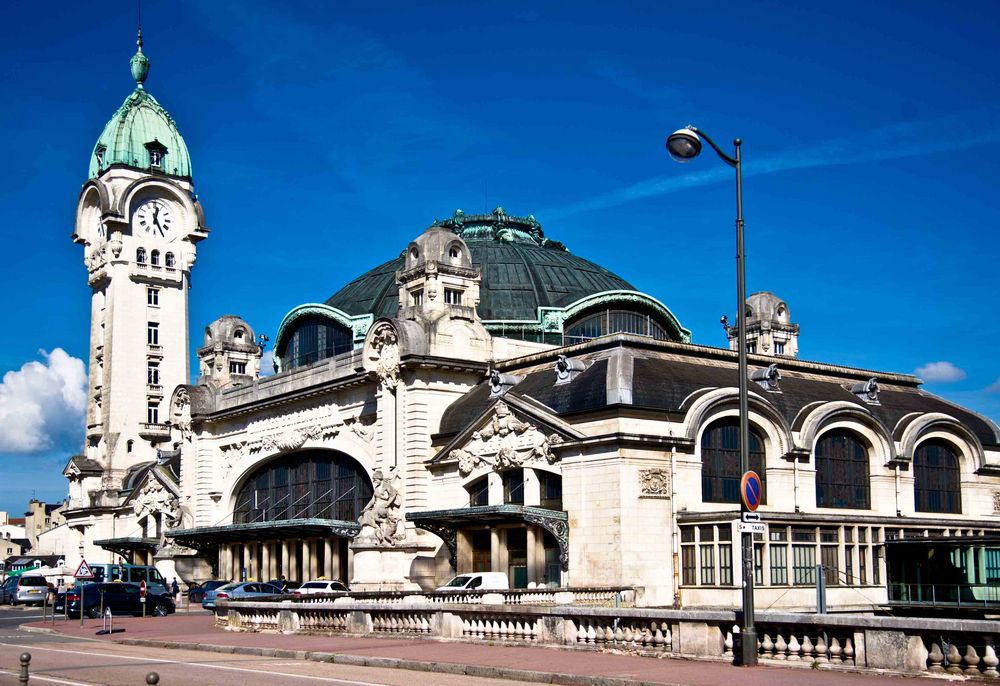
column 153, row 218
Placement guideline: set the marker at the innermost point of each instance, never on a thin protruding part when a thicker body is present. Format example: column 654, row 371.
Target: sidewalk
column 543, row 665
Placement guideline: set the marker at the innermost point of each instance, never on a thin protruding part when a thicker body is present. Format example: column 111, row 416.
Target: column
column 534, row 577
column 265, row 566
column 247, row 569
column 306, row 561
column 495, row 551
column 293, row 561
column 224, row 561
column 313, row 558
column 234, row 572
column 335, row 569
column 284, row 559
column 328, row 558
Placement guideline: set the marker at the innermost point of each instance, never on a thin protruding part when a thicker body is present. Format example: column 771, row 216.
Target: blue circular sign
column 751, row 490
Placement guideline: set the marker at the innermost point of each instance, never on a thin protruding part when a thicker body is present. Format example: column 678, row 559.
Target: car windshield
column 314, row 584
column 458, row 582
column 33, row 581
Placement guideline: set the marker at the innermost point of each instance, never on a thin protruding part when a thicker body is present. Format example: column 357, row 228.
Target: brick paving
column 552, row 665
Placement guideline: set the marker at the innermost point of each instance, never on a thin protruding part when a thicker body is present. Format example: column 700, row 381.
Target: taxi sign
column 83, row 571
column 751, row 490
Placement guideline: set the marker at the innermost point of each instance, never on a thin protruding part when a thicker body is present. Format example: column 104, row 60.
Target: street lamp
column 684, row 145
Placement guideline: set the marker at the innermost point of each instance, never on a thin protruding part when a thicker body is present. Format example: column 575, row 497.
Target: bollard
column 152, row 678
column 25, row 660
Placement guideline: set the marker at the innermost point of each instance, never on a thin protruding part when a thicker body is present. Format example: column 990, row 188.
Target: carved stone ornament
column 180, row 413
column 231, row 454
column 655, row 482
column 293, row 439
column 153, row 499
column 996, row 502
column 382, row 519
column 383, row 356
column 505, row 441
column 363, row 427
column 283, row 431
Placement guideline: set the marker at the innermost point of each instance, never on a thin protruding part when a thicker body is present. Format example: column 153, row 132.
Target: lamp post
column 684, row 145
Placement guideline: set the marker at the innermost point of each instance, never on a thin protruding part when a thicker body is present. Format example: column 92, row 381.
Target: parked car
column 7, row 590
column 197, row 593
column 477, row 581
column 27, row 588
column 239, row 590
column 321, row 586
column 122, row 598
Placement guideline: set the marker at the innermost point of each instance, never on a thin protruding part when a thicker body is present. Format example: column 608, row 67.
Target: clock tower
column 139, row 222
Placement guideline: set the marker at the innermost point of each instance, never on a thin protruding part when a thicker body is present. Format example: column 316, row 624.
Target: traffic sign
column 83, row 571
column 142, row 590
column 751, row 490
column 750, row 527
column 751, row 516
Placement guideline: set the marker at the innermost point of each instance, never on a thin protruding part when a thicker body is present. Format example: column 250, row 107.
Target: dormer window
column 99, row 154
column 156, row 151
column 238, row 335
column 454, row 253
column 140, row 255
column 169, row 260
column 418, row 298
column 154, row 258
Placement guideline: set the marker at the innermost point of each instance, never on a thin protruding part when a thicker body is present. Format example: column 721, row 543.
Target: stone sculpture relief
column 363, row 427
column 154, row 499
column 231, row 454
column 655, row 482
column 382, row 519
column 505, row 441
column 996, row 502
column 384, row 355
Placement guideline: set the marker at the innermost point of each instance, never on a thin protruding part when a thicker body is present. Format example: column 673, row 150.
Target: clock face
column 153, row 218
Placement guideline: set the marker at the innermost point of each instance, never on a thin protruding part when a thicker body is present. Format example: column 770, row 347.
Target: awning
column 211, row 536
column 125, row 546
column 446, row 524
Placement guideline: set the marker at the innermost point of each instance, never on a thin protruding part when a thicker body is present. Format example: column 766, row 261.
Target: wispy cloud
column 994, row 387
column 940, row 372
column 908, row 139
column 42, row 404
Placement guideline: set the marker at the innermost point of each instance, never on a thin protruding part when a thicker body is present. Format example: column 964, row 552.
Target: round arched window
column 842, row 471
column 720, row 462
column 937, row 479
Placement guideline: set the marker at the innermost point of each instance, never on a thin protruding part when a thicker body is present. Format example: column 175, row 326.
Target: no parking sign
column 751, row 490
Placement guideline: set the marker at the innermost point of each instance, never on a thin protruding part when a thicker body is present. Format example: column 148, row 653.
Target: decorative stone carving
column 116, row 243
column 363, row 427
column 382, row 519
column 996, row 502
column 383, row 355
column 655, row 482
column 505, row 441
column 231, row 454
column 180, row 413
column 154, row 499
column 289, row 431
column 293, row 439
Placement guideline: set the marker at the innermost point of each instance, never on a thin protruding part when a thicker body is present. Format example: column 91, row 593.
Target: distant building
column 41, row 517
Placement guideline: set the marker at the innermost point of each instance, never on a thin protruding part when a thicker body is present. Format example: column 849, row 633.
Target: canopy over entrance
column 211, row 536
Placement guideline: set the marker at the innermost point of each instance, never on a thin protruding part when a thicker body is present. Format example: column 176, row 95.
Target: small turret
column 770, row 330
column 231, row 354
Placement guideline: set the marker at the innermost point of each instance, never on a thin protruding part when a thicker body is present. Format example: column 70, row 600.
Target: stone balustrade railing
column 596, row 596
column 840, row 641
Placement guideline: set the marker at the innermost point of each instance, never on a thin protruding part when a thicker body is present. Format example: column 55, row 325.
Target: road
column 78, row 662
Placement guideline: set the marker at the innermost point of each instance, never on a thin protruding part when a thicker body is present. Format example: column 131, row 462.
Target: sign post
column 751, row 493
column 82, row 573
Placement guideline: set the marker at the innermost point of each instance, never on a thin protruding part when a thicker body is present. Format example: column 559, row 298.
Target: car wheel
column 94, row 612
column 160, row 610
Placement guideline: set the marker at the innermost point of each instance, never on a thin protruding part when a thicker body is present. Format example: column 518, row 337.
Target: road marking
column 330, row 680
column 36, row 677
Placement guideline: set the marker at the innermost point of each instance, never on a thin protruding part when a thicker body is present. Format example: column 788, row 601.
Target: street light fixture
column 684, row 145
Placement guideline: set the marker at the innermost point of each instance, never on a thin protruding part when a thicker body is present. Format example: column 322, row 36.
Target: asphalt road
column 76, row 662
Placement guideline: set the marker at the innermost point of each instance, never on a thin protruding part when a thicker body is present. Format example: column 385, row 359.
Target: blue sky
column 325, row 136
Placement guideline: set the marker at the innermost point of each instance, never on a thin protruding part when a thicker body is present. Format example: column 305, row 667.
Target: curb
column 482, row 671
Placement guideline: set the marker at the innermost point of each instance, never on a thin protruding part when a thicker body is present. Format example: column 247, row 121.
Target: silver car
column 29, row 589
column 239, row 590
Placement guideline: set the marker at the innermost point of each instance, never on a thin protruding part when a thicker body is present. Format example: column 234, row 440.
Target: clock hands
column 156, row 218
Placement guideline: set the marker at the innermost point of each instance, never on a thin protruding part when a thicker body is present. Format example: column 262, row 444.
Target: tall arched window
column 308, row 484
column 842, row 471
column 315, row 338
column 720, row 462
column 936, row 478
column 154, row 258
column 140, row 255
column 169, row 260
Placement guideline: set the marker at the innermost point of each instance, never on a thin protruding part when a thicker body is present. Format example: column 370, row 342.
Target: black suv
column 122, row 598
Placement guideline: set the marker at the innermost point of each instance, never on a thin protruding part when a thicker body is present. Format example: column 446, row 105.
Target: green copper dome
column 141, row 134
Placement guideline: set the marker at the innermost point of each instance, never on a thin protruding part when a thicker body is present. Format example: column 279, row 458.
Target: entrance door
column 481, row 561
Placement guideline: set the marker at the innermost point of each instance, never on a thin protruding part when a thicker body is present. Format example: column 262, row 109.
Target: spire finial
column 139, row 63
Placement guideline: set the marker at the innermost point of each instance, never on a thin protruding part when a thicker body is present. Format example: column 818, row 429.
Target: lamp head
column 684, row 145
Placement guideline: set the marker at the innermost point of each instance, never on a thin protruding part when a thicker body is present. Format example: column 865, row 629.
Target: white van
column 477, row 581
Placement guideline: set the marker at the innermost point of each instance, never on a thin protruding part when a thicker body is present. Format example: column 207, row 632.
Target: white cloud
column 267, row 363
column 42, row 405
column 994, row 387
column 941, row 372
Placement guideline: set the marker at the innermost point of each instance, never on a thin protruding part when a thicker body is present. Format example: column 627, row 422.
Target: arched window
column 169, row 260
column 315, row 338
column 936, row 478
column 842, row 471
column 319, row 484
column 154, row 258
column 140, row 255
column 720, row 462
column 608, row 322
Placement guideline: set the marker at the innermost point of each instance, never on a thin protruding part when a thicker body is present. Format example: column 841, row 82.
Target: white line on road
column 330, row 680
column 35, row 677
